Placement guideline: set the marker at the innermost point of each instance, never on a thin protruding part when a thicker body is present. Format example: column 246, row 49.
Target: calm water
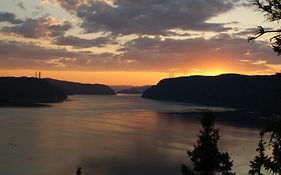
column 109, row 135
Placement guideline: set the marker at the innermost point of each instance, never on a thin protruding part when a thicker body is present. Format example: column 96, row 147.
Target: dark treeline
column 261, row 93
column 25, row 91
column 28, row 90
column 73, row 88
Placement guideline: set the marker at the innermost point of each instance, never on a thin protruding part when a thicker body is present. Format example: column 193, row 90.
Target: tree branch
column 261, row 32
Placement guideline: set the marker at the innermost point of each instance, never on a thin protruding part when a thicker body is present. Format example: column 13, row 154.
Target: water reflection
column 109, row 135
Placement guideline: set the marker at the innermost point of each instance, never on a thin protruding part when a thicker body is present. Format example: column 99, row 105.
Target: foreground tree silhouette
column 272, row 11
column 78, row 171
column 260, row 159
column 272, row 163
column 206, row 158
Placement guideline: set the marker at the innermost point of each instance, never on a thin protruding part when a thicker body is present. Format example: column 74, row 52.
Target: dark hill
column 261, row 93
column 73, row 88
column 25, row 90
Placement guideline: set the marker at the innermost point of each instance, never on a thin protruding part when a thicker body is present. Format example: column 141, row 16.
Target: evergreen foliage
column 270, row 163
column 206, row 157
column 272, row 12
column 257, row 163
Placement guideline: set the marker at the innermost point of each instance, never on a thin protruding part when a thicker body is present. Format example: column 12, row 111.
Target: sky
column 132, row 42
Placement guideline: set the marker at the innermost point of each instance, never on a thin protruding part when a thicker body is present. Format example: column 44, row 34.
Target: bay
column 112, row 135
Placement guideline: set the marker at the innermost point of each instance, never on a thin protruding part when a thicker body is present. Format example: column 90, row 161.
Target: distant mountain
column 261, row 93
column 134, row 90
column 117, row 88
column 73, row 88
column 23, row 90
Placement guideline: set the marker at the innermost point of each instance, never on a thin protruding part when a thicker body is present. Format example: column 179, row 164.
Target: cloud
column 144, row 53
column 151, row 17
column 246, row 32
column 59, row 29
column 37, row 28
column 147, row 54
column 184, row 55
column 9, row 17
column 29, row 55
column 77, row 42
column 71, row 5
column 21, row 5
column 31, row 51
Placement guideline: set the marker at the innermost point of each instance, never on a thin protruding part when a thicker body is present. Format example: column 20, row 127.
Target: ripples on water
column 110, row 135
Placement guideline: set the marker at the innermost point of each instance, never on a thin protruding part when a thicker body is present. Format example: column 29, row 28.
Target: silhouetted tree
column 206, row 157
column 271, row 163
column 78, row 171
column 186, row 171
column 272, row 11
column 257, row 164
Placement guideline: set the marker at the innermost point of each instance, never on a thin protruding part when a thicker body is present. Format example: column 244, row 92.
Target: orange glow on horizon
column 118, row 77
column 108, row 78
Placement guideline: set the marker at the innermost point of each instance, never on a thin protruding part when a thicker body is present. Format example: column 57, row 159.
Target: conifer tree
column 272, row 12
column 257, row 164
column 206, row 157
column 271, row 163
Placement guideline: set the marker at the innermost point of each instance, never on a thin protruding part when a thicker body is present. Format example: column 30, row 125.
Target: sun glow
column 108, row 78
column 216, row 71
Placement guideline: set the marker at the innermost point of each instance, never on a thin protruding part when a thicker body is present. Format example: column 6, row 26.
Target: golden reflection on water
column 108, row 135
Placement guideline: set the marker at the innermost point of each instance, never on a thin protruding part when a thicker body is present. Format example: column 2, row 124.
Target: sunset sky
column 132, row 42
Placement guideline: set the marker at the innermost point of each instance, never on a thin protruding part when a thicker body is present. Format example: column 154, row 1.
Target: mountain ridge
column 25, row 90
column 256, row 92
column 76, row 88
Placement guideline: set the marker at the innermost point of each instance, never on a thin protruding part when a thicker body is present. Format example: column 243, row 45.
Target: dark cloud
column 21, row 50
column 146, row 54
column 159, row 54
column 150, row 16
column 172, row 18
column 37, row 28
column 9, row 17
column 59, row 29
column 29, row 55
column 70, row 5
column 21, row 5
column 77, row 42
